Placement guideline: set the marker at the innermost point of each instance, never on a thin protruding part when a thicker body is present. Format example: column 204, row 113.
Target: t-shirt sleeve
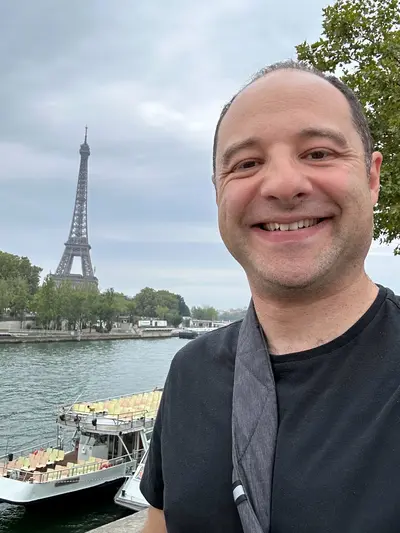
column 152, row 483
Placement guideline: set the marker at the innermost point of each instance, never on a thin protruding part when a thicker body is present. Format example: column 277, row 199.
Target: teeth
column 274, row 226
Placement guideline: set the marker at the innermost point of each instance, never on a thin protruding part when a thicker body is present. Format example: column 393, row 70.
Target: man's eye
column 245, row 165
column 317, row 155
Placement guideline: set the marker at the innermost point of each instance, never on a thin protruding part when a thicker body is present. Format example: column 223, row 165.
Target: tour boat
column 109, row 439
column 130, row 495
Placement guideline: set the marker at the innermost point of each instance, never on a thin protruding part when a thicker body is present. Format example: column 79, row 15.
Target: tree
column 168, row 300
column 204, row 313
column 45, row 303
column 13, row 266
column 174, row 319
column 361, row 38
column 121, row 304
column 131, row 310
column 5, row 296
column 92, row 304
column 108, row 308
column 18, row 297
column 161, row 304
column 183, row 309
column 162, row 312
column 146, row 302
column 71, row 304
column 30, row 273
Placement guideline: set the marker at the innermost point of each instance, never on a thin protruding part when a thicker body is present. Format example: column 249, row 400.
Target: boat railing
column 52, row 443
column 121, row 424
column 71, row 470
column 134, row 420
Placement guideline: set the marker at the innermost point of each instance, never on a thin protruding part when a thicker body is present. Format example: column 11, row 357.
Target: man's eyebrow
column 336, row 136
column 232, row 150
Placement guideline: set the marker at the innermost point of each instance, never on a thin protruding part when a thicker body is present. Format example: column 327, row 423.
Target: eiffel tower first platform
column 77, row 244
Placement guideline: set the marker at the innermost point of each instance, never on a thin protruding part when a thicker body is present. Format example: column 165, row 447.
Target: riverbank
column 130, row 524
column 30, row 337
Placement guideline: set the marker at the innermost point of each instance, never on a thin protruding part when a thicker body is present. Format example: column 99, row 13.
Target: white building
column 152, row 323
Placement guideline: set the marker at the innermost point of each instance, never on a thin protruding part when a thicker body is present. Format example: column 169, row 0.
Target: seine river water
column 35, row 379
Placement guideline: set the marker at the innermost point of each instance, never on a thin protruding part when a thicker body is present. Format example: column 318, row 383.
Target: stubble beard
column 332, row 268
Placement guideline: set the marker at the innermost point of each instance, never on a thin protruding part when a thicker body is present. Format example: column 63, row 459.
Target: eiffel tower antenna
column 77, row 244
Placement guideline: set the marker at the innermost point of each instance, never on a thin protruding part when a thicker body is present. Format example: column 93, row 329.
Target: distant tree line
column 83, row 306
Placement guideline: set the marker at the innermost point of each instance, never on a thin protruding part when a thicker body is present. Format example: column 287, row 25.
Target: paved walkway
column 130, row 524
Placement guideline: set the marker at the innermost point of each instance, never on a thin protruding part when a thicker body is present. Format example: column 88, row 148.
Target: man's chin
column 282, row 282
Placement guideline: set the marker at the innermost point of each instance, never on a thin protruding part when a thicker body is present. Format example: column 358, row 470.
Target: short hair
column 358, row 115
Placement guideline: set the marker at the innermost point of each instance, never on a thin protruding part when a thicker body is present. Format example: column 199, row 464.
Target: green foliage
column 183, row 309
column 5, row 296
column 146, row 302
column 361, row 41
column 45, row 302
column 149, row 303
column 13, row 266
column 18, row 297
column 131, row 309
column 108, row 308
column 174, row 319
column 161, row 311
column 204, row 313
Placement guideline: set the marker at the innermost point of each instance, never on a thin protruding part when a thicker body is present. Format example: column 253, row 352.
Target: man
column 288, row 421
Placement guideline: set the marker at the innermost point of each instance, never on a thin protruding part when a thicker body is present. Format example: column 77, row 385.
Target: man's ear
column 375, row 176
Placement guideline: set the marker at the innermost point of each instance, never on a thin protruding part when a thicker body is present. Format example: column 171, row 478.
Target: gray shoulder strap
column 254, row 427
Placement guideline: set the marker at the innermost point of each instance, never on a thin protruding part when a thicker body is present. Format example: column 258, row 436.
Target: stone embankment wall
column 22, row 337
column 130, row 524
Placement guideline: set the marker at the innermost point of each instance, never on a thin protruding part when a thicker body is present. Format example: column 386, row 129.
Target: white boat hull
column 23, row 493
column 130, row 496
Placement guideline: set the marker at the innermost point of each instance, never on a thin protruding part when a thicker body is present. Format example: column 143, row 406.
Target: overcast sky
column 149, row 78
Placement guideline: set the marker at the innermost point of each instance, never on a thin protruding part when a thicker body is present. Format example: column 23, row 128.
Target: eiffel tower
column 77, row 244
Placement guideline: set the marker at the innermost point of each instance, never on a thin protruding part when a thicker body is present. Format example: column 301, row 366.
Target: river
column 36, row 378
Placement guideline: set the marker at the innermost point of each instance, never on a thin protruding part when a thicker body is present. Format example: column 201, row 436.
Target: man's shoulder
column 392, row 297
column 208, row 347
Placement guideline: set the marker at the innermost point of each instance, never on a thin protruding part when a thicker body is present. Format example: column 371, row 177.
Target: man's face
column 288, row 153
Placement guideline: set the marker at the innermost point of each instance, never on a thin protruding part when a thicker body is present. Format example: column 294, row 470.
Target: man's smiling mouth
column 291, row 226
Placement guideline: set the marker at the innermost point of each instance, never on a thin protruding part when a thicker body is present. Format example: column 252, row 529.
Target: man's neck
column 297, row 325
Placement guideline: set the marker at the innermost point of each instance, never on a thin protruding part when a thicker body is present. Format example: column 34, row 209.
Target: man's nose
column 284, row 181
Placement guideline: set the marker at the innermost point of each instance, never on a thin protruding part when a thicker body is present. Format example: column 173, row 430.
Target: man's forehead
column 289, row 82
column 284, row 90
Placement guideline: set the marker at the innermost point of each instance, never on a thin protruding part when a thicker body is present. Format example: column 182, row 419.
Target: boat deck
column 113, row 414
column 42, row 466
